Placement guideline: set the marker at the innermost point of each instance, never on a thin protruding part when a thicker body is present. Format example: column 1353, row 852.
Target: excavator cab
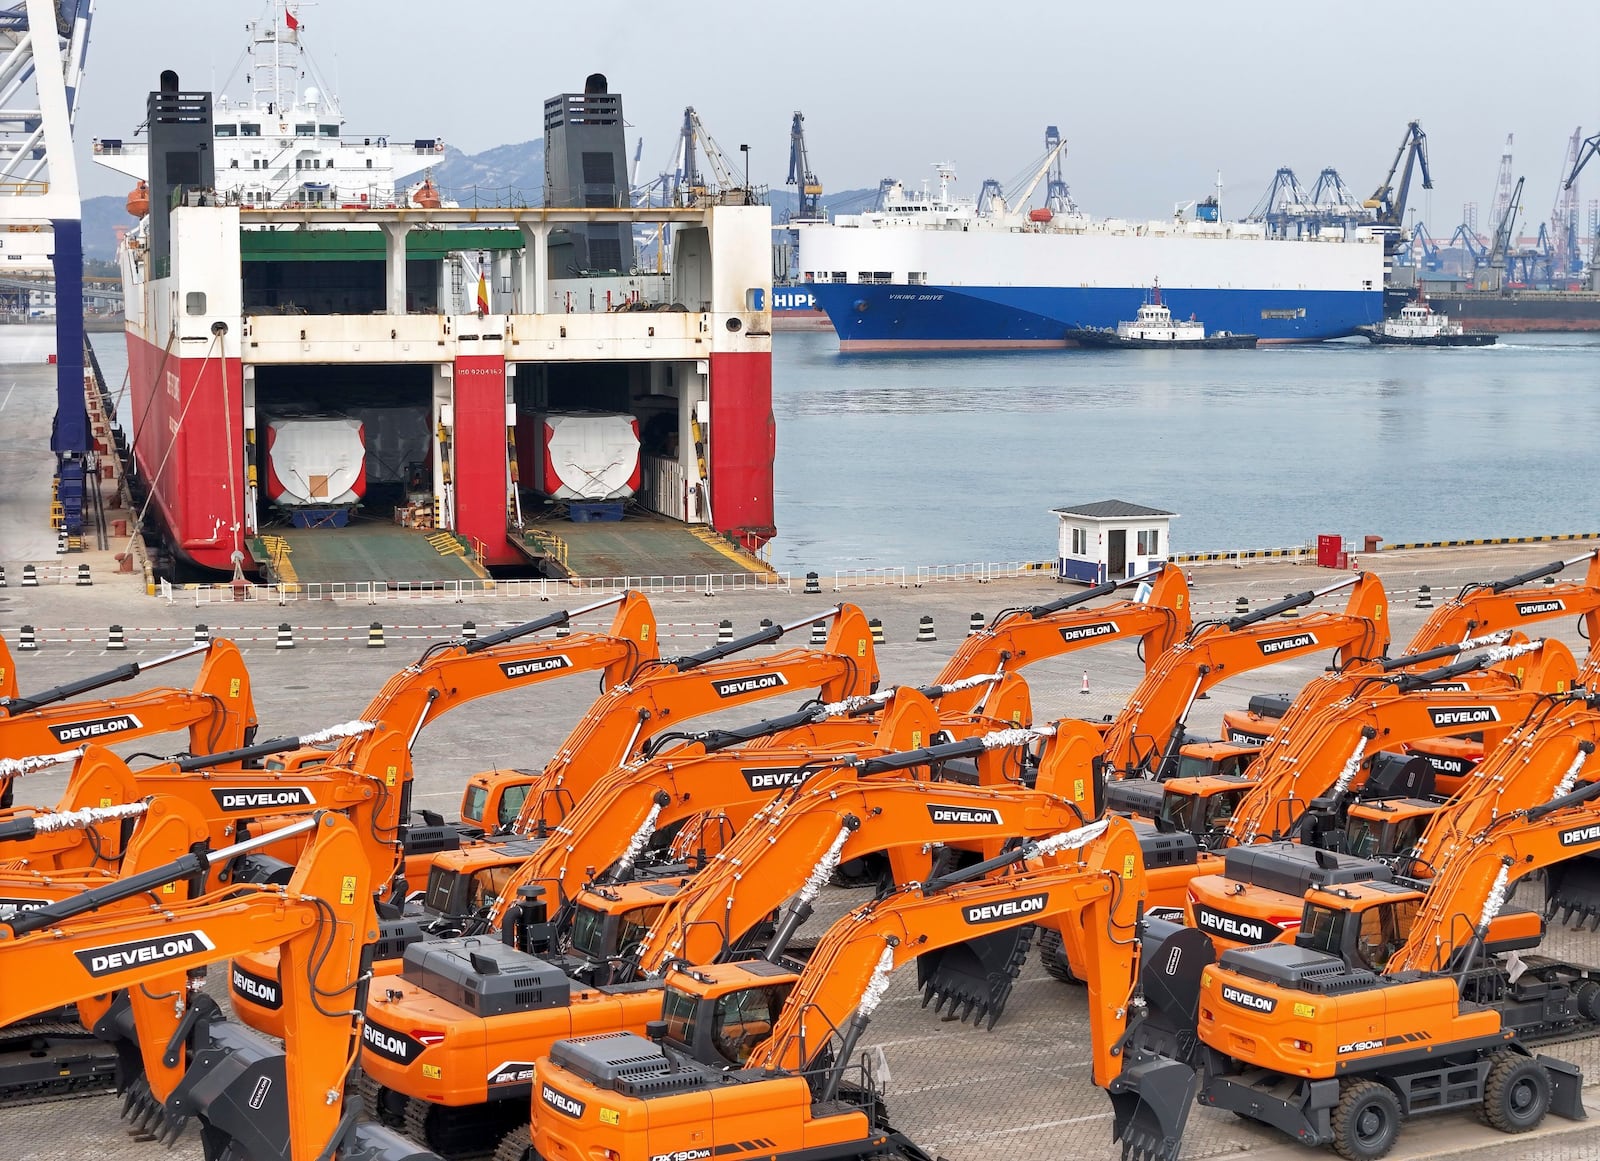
column 1363, row 924
column 1202, row 806
column 1215, row 759
column 609, row 925
column 1386, row 829
column 492, row 800
column 719, row 1014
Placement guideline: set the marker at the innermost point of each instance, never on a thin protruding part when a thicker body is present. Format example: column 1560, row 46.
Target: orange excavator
column 252, row 1098
column 663, row 692
column 1257, row 896
column 1389, row 1003
column 1023, row 636
column 970, row 696
column 218, row 711
column 451, row 673
column 1478, row 614
column 8, row 673
column 750, row 1057
column 457, row 1069
column 1144, row 739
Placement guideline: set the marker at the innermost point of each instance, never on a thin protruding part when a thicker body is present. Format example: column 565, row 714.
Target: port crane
column 1388, row 201
column 1590, row 147
column 725, row 186
column 1057, row 198
column 1500, row 250
column 809, row 205
column 1471, row 243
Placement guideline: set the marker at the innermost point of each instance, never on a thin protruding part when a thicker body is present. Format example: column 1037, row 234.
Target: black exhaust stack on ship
column 182, row 162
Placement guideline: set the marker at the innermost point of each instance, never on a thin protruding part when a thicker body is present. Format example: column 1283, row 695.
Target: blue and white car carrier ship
column 927, row 271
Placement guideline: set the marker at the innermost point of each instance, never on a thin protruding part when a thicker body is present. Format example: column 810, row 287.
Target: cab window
column 1220, row 807
column 588, row 932
column 473, row 802
column 489, row 882
column 511, row 804
column 1178, row 809
column 633, row 926
column 743, row 1020
column 678, row 1010
column 1320, row 930
column 1384, row 931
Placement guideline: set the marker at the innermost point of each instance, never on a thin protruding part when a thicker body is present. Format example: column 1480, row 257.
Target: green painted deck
column 366, row 552
column 643, row 545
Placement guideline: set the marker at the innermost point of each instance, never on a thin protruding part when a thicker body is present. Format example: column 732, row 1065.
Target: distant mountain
column 505, row 175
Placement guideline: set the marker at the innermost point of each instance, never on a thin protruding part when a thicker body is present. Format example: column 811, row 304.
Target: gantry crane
column 810, row 189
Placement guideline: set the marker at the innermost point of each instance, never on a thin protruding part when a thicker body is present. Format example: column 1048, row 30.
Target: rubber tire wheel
column 1587, row 1000
column 517, row 1145
column 1366, row 1121
column 1053, row 956
column 1516, row 1094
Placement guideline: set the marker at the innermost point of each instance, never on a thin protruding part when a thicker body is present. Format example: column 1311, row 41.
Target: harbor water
column 906, row 460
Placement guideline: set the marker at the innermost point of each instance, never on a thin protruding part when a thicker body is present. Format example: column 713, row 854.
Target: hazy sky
column 1153, row 97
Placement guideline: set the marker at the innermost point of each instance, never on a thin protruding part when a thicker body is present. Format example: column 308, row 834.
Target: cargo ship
column 318, row 363
column 929, row 271
column 1514, row 311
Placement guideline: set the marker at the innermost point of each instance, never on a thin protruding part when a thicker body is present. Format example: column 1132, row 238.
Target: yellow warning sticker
column 1127, row 866
column 233, row 687
column 610, row 1116
column 1309, row 1011
column 105, row 802
column 432, row 1072
column 347, row 890
column 1077, row 790
column 392, row 775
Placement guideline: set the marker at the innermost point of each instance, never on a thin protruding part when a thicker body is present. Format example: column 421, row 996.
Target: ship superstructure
column 421, row 350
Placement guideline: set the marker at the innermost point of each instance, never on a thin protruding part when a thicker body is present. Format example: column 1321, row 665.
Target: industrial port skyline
column 1151, row 111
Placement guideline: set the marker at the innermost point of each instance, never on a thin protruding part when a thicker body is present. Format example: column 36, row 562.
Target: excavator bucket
column 1572, row 892
column 236, row 1088
column 1152, row 1096
column 974, row 978
column 148, row 1118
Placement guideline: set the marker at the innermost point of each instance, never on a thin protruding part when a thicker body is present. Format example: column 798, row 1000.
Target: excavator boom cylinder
column 126, row 672
column 538, row 625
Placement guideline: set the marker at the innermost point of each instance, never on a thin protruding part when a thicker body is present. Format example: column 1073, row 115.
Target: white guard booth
column 1110, row 540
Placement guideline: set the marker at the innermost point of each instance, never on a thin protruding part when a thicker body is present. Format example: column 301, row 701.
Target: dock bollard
column 564, row 629
column 25, row 639
column 116, row 638
column 875, row 627
column 202, row 635
column 469, row 631
column 285, row 636
column 819, row 632
column 1425, row 597
column 84, row 579
column 974, row 624
column 2, row 576
column 375, row 635
column 813, row 586
column 724, row 631
column 61, row 542
column 1241, row 604
column 30, row 577
column 925, row 628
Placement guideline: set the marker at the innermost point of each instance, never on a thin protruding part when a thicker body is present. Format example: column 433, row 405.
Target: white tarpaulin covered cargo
column 587, row 455
column 314, row 462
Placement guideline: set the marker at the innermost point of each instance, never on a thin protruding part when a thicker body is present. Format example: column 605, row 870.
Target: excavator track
column 380, row 1104
column 466, row 1131
column 47, row 1060
column 1053, row 956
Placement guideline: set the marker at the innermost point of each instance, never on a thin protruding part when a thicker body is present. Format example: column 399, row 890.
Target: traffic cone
column 1425, row 597
column 26, row 640
column 724, row 631
column 819, row 633
column 875, row 627
column 1085, row 687
column 30, row 577
column 813, row 586
column 469, row 631
column 202, row 635
column 84, row 579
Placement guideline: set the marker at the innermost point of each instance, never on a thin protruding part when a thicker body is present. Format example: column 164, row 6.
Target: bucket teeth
column 973, row 979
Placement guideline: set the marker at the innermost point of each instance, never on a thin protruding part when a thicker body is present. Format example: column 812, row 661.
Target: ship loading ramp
column 368, row 553
column 641, row 545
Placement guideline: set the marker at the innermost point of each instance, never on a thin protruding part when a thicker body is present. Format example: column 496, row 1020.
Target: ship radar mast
column 278, row 62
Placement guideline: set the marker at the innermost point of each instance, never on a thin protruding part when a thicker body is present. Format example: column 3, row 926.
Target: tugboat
column 1418, row 326
column 1154, row 328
